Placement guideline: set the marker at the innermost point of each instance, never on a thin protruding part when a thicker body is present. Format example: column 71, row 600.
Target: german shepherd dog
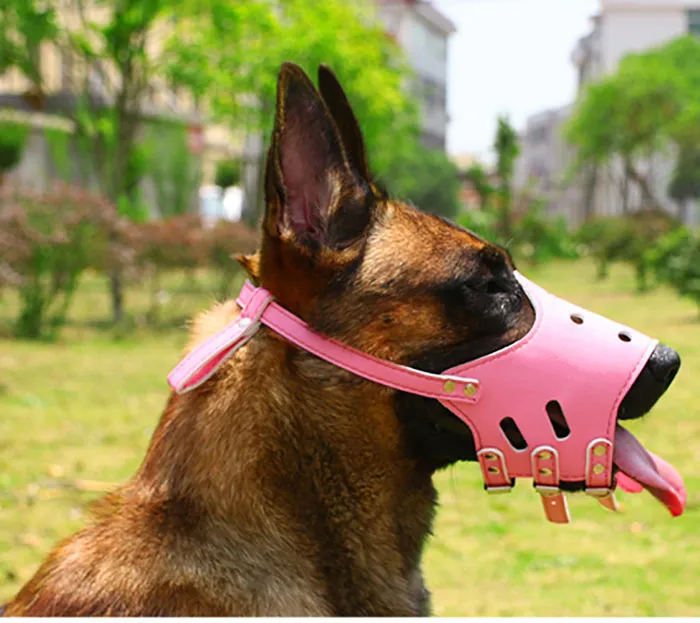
column 285, row 485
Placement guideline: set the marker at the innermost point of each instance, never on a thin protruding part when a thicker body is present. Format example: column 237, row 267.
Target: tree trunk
column 117, row 296
column 590, row 186
column 650, row 202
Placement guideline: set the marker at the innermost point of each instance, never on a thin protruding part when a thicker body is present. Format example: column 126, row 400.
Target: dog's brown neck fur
column 299, row 517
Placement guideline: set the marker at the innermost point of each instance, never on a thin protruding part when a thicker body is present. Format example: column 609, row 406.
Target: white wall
column 625, row 30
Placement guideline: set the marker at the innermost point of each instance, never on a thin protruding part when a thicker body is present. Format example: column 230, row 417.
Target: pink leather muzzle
column 561, row 385
column 543, row 408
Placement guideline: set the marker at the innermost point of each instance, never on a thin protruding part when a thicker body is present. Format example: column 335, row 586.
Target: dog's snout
column 655, row 378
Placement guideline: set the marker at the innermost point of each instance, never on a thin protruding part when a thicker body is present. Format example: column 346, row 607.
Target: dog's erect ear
column 315, row 197
column 339, row 106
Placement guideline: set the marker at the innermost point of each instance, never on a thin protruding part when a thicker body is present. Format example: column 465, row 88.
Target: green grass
column 83, row 409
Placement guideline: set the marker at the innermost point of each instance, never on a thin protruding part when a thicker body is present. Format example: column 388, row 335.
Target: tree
column 650, row 103
column 425, row 177
column 684, row 186
column 240, row 77
column 507, row 150
column 228, row 173
column 116, row 41
column 480, row 180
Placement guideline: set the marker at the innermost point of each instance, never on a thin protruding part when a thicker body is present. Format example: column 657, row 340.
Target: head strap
column 258, row 307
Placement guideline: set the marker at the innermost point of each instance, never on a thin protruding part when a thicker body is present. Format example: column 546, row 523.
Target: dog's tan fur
column 284, row 486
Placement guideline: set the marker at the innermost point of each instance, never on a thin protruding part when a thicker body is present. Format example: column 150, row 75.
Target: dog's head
column 381, row 275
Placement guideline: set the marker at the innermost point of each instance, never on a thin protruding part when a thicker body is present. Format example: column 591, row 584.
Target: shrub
column 676, row 260
column 535, row 237
column 47, row 241
column 228, row 173
column 13, row 137
column 226, row 240
column 483, row 222
column 625, row 239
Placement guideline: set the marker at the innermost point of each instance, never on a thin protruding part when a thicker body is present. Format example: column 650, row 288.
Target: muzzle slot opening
column 557, row 419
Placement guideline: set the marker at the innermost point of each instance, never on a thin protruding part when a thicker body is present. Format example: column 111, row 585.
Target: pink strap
column 545, row 471
column 259, row 307
column 200, row 364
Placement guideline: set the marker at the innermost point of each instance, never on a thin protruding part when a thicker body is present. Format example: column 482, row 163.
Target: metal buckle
column 497, row 490
column 606, row 497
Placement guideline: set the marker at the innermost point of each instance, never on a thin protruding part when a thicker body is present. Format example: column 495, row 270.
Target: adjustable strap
column 493, row 467
column 545, row 471
column 258, row 307
column 599, row 467
column 438, row 386
column 200, row 364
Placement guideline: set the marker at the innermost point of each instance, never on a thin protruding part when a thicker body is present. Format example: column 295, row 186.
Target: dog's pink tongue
column 640, row 467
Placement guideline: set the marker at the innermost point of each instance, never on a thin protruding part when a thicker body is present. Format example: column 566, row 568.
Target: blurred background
column 132, row 137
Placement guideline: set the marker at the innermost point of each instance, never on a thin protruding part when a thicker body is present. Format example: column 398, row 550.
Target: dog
column 284, row 485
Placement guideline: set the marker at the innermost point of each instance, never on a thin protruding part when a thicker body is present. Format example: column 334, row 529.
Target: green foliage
column 59, row 143
column 625, row 239
column 507, row 150
column 239, row 79
column 676, row 260
column 540, row 238
column 651, row 102
column 427, row 178
column 13, row 137
column 174, row 170
column 46, row 242
column 25, row 26
column 685, row 182
column 482, row 222
column 228, row 173
column 535, row 237
column 478, row 177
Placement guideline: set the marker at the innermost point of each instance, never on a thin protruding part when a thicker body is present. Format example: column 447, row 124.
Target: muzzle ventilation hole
column 577, row 318
column 625, row 337
column 558, row 420
column 513, row 435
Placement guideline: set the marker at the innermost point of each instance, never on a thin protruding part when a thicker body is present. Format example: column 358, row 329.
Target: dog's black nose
column 655, row 378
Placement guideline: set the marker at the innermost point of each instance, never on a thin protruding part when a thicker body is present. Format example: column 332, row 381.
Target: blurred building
column 64, row 76
column 621, row 27
column 543, row 168
column 423, row 33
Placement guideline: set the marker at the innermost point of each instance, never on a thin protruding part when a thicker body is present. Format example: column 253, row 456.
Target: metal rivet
column 493, row 470
column 244, row 322
column 598, row 469
column 449, row 386
column 600, row 450
column 545, row 471
column 545, row 455
column 490, row 456
column 469, row 390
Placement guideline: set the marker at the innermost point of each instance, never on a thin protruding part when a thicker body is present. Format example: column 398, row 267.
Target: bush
column 13, row 137
column 625, row 239
column 181, row 242
column 226, row 241
column 483, row 222
column 228, row 173
column 535, row 238
column 676, row 260
column 427, row 178
column 47, row 241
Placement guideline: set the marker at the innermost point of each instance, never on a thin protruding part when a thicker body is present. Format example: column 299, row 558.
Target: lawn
column 76, row 415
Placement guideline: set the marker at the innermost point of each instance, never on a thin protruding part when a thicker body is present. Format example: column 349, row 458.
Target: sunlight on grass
column 83, row 409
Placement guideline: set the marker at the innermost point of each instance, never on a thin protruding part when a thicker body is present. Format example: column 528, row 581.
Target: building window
column 694, row 22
